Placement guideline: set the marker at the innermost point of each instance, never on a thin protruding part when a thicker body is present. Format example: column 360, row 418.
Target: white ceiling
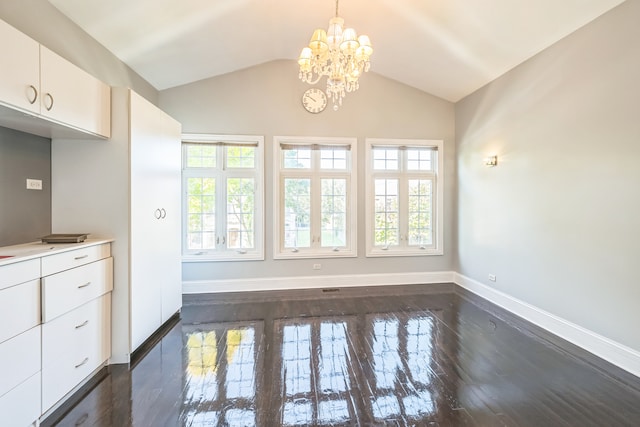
column 448, row 48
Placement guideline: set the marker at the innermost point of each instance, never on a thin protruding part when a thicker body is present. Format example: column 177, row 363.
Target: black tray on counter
column 64, row 238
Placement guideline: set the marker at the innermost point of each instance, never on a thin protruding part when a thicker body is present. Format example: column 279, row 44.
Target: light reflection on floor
column 328, row 371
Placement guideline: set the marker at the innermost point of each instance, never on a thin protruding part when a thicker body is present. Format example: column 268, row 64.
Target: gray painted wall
column 41, row 21
column 266, row 100
column 558, row 220
column 25, row 215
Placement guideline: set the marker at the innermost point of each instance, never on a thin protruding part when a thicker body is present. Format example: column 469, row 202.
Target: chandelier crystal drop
column 339, row 54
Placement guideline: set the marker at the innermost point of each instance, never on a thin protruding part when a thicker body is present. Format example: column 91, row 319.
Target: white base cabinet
column 55, row 324
column 74, row 346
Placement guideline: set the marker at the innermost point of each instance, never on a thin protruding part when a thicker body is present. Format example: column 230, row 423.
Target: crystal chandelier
column 340, row 55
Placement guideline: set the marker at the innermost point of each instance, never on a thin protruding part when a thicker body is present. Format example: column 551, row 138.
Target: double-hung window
column 315, row 182
column 222, row 197
column 404, row 197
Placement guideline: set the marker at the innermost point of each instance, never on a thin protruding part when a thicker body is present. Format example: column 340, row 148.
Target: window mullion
column 221, row 211
column 316, row 206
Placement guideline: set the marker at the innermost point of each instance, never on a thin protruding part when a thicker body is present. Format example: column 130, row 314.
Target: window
column 404, row 197
column 315, row 181
column 222, row 197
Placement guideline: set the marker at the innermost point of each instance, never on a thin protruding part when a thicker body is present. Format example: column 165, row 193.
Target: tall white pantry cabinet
column 128, row 188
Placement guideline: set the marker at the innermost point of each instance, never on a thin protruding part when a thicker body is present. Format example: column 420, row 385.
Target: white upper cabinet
column 37, row 81
column 70, row 95
column 19, row 69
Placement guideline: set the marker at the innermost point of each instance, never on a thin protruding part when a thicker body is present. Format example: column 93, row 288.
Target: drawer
column 74, row 345
column 19, row 359
column 19, row 309
column 19, row 272
column 63, row 261
column 62, row 292
column 21, row 406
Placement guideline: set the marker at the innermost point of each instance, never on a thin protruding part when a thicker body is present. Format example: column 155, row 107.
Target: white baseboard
column 309, row 282
column 609, row 350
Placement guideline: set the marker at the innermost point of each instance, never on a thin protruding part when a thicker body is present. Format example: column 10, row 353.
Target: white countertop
column 32, row 250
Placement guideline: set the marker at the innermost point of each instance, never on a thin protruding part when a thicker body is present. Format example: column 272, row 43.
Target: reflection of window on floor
column 401, row 361
column 316, row 378
column 221, row 376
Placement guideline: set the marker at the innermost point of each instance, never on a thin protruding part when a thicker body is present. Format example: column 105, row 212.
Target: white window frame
column 351, row 173
column 438, row 206
column 223, row 253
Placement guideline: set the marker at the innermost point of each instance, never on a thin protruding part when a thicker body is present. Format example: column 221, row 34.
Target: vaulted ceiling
column 448, row 48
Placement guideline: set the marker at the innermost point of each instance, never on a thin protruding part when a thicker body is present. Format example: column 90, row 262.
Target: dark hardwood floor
column 384, row 356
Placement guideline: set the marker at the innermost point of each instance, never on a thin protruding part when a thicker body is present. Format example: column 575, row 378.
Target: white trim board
column 622, row 356
column 314, row 282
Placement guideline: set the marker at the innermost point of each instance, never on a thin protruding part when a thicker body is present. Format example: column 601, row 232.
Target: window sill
column 379, row 253
column 319, row 255
column 189, row 258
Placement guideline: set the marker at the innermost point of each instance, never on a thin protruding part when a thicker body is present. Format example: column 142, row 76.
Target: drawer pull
column 84, row 286
column 82, row 325
column 86, row 359
column 81, row 257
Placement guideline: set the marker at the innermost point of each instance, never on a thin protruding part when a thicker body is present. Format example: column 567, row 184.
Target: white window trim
column 229, row 255
column 352, row 235
column 438, row 210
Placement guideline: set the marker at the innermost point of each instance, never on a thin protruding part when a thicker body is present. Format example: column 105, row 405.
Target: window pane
column 334, row 212
column 241, row 157
column 201, row 215
column 420, row 209
column 240, row 213
column 419, row 159
column 201, row 156
column 386, row 225
column 299, row 158
column 297, row 213
column 333, row 158
column 385, row 158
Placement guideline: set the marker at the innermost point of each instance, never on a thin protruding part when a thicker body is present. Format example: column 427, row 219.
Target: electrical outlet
column 34, row 184
column 492, row 277
column 317, row 266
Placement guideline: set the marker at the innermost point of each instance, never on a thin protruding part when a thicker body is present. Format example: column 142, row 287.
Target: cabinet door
column 72, row 96
column 171, row 220
column 19, row 69
column 155, row 218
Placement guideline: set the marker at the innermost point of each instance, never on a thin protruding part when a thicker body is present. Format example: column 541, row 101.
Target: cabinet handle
column 164, row 213
column 82, row 325
column 84, row 286
column 50, row 106
column 35, row 95
column 82, row 419
column 81, row 257
column 86, row 359
column 158, row 214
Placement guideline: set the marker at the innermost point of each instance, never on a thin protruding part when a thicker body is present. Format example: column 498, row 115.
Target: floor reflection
column 412, row 359
column 220, row 380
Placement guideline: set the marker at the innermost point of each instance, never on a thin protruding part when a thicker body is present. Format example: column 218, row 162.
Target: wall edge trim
column 314, row 282
column 613, row 352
